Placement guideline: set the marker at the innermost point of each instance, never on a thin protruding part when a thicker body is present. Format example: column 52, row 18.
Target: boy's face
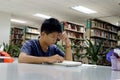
column 51, row 38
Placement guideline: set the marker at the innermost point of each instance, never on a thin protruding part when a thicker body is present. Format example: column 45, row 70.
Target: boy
column 44, row 49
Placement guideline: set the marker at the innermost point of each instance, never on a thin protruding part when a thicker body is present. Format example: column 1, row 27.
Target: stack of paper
column 69, row 63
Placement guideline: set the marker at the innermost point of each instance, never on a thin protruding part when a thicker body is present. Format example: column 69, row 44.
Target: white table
column 20, row 71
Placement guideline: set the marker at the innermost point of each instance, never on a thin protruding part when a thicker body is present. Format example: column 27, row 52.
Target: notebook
column 69, row 63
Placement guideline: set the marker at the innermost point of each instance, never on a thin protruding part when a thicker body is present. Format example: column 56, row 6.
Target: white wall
column 4, row 27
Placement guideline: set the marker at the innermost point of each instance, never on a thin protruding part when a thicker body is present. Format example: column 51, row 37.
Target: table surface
column 21, row 71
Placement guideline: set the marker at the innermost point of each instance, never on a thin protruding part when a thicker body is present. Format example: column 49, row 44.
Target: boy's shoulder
column 32, row 41
column 53, row 46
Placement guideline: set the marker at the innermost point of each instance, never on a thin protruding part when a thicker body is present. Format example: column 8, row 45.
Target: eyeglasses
column 55, row 37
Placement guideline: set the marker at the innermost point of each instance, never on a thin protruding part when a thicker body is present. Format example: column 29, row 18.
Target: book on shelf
column 31, row 33
column 16, row 36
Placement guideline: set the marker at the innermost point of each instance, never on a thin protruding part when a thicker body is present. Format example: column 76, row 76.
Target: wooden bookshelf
column 30, row 33
column 16, row 35
column 19, row 35
column 101, row 30
column 74, row 30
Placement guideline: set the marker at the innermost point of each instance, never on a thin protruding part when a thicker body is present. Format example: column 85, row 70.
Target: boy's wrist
column 68, row 46
column 44, row 60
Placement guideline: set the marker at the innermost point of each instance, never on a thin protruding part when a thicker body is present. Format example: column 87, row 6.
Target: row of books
column 16, row 36
column 29, row 36
column 104, row 26
column 32, row 30
column 103, row 34
column 77, row 42
column 106, row 43
column 74, row 35
column 16, row 31
column 74, row 27
column 16, row 42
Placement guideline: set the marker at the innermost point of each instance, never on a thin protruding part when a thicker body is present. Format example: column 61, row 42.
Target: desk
column 21, row 71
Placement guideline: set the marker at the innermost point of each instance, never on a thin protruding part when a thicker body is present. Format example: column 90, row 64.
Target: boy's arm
column 68, row 51
column 24, row 58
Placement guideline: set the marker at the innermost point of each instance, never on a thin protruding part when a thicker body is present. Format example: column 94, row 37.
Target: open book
column 69, row 63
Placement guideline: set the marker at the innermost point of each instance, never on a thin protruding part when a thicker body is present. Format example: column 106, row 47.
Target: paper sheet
column 69, row 63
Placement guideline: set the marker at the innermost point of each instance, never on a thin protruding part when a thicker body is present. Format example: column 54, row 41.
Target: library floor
column 21, row 71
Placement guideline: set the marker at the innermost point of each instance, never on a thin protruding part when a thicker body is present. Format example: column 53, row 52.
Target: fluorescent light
column 117, row 24
column 18, row 21
column 42, row 16
column 83, row 9
column 92, row 30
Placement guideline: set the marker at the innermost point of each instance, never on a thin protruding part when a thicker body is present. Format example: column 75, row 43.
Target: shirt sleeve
column 59, row 51
column 26, row 48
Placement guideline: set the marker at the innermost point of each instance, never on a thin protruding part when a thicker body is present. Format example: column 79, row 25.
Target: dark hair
column 51, row 25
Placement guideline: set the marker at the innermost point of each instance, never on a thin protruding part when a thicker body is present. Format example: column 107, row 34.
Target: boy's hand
column 63, row 36
column 54, row 59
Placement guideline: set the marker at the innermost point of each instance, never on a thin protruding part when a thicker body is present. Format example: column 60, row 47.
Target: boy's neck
column 43, row 45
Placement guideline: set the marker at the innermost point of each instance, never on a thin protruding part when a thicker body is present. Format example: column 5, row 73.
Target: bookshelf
column 100, row 30
column 21, row 34
column 16, row 36
column 30, row 33
column 75, row 33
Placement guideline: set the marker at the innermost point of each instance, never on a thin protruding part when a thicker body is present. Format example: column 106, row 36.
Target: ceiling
column 108, row 10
